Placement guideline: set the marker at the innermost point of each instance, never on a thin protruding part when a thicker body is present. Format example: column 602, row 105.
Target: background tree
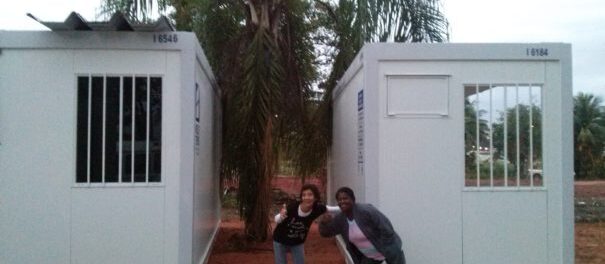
column 135, row 10
column 523, row 137
column 471, row 116
column 265, row 76
column 260, row 53
column 589, row 133
column 343, row 27
column 263, row 54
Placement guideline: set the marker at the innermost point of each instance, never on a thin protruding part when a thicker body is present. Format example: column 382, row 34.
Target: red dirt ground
column 228, row 248
column 590, row 243
column 589, row 189
column 590, row 237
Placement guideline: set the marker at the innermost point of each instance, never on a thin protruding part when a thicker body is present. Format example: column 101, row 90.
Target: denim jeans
column 280, row 250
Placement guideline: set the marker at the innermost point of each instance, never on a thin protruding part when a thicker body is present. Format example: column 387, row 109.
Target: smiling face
column 307, row 198
column 309, row 194
column 345, row 202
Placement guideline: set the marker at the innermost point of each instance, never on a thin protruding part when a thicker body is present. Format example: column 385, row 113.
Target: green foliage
column 498, row 170
column 589, row 135
column 134, row 10
column 470, row 134
column 343, row 29
column 524, row 135
column 264, row 59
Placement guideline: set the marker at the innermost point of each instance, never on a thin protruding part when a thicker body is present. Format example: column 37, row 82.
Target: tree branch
column 253, row 14
column 328, row 8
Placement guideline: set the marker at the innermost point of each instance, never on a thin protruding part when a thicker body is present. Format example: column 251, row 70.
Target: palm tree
column 139, row 10
column 262, row 52
column 265, row 71
column 344, row 28
column 589, row 133
column 290, row 120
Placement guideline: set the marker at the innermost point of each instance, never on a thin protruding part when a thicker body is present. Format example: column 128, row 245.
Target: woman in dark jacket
column 368, row 233
column 293, row 223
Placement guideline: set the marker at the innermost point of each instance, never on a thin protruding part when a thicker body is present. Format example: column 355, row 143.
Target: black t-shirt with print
column 293, row 230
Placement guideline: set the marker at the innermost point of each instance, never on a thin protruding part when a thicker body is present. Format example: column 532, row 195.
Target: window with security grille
column 503, row 135
column 119, row 129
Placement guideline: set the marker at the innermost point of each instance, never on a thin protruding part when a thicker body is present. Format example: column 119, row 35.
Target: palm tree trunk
column 257, row 226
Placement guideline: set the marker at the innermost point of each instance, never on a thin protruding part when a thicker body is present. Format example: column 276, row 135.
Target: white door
column 428, row 183
column 504, row 201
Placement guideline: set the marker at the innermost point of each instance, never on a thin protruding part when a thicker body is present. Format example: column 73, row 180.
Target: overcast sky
column 579, row 22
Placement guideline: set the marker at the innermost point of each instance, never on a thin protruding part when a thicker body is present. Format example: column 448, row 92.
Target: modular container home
column 467, row 148
column 109, row 138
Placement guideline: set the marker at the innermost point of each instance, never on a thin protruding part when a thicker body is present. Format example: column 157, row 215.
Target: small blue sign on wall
column 360, row 134
column 360, row 100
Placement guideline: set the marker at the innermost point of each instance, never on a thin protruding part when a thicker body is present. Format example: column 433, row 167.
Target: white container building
column 467, row 148
column 109, row 144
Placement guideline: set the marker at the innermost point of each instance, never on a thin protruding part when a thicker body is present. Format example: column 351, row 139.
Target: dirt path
column 229, row 248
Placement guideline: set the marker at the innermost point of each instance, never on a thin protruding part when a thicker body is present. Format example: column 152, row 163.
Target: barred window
column 503, row 136
column 119, row 129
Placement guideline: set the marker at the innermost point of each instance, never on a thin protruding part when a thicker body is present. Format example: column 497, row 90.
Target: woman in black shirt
column 293, row 223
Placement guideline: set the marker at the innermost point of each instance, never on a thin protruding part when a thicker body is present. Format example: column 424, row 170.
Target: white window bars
column 119, row 130
column 503, row 136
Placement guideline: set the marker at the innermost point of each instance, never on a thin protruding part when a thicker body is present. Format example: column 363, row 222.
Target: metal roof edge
column 117, row 22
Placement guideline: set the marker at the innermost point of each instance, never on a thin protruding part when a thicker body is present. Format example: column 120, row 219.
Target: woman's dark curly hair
column 312, row 188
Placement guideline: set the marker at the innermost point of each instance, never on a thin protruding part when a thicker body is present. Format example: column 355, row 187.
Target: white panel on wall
column 172, row 148
column 504, row 227
column 130, row 61
column 36, row 154
column 418, row 164
column 205, row 183
column 344, row 156
column 117, row 225
column 424, row 95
